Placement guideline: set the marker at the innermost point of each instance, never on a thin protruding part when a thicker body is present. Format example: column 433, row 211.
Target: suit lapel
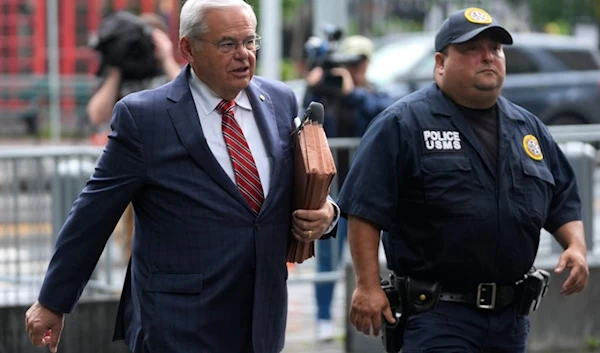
column 185, row 119
column 264, row 113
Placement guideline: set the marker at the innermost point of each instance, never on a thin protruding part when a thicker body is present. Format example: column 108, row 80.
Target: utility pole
column 52, row 21
column 271, row 31
column 333, row 12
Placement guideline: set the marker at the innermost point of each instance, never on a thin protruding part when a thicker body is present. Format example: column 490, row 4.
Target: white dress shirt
column 210, row 119
column 206, row 102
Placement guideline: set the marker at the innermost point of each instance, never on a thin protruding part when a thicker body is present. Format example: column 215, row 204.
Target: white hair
column 193, row 12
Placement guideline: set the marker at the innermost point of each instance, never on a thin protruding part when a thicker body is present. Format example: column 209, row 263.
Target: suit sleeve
column 118, row 176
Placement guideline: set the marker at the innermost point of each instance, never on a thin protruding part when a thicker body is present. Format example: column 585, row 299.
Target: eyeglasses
column 228, row 46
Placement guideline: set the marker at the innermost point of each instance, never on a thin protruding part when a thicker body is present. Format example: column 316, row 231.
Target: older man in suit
column 207, row 162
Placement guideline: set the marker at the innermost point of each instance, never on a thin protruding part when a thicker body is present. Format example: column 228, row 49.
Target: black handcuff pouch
column 407, row 296
column 421, row 296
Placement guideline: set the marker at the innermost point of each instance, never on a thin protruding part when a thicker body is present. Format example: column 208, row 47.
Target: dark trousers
column 458, row 328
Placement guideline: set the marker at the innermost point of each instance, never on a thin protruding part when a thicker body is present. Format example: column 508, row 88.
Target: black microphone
column 315, row 112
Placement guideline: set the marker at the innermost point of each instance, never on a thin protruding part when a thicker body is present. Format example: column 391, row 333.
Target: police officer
column 461, row 181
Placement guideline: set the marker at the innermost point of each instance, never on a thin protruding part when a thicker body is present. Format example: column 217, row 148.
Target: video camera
column 125, row 41
column 324, row 54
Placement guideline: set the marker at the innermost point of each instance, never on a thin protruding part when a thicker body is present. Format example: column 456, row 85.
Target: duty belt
column 487, row 296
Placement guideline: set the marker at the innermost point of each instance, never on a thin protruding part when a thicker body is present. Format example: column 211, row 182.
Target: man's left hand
column 308, row 225
column 575, row 260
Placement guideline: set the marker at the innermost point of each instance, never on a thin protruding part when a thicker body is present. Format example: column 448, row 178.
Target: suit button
column 257, row 226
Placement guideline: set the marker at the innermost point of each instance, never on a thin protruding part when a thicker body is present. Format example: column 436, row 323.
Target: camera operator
column 357, row 101
column 115, row 86
column 351, row 102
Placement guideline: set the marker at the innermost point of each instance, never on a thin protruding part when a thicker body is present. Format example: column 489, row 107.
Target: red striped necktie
column 246, row 173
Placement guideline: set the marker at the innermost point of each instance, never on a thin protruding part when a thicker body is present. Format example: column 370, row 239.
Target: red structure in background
column 39, row 37
column 23, row 31
column 24, row 49
column 13, row 39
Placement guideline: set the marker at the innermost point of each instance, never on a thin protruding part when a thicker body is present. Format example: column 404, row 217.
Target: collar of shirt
column 209, row 99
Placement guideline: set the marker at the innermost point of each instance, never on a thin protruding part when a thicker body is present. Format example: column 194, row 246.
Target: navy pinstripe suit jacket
column 206, row 275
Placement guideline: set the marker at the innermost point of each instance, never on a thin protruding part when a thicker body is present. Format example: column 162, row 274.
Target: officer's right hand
column 44, row 326
column 573, row 258
column 367, row 306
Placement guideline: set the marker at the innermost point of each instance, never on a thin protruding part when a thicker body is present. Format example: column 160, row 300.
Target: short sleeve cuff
column 369, row 213
column 552, row 225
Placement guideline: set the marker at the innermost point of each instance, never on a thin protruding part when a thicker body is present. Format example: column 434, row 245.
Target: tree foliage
column 289, row 8
column 562, row 12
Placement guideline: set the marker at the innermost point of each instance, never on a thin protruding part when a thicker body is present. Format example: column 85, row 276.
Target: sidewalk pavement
column 301, row 332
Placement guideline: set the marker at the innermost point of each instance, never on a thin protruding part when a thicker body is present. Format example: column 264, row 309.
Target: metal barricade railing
column 39, row 184
column 582, row 133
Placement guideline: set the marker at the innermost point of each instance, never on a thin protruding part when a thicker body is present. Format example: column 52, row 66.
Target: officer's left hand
column 575, row 260
column 309, row 225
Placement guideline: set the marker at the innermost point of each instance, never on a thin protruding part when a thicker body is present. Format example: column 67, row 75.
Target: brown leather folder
column 314, row 170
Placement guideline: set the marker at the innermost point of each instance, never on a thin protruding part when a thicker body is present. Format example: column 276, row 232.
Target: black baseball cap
column 463, row 25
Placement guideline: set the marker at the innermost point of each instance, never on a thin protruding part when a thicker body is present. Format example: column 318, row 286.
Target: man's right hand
column 367, row 306
column 314, row 76
column 44, row 326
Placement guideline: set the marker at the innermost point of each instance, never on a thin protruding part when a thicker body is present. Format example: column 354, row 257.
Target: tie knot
column 225, row 106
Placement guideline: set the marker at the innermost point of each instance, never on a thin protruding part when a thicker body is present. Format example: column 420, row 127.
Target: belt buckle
column 486, row 296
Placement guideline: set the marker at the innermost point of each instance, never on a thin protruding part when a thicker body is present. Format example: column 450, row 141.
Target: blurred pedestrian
column 349, row 112
column 461, row 181
column 207, row 162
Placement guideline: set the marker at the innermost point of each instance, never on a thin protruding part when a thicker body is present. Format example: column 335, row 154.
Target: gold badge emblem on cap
column 477, row 15
column 532, row 147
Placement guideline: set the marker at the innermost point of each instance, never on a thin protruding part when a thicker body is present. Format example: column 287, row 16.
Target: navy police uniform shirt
column 447, row 213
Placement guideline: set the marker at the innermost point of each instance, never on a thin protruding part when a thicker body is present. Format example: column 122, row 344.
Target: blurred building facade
column 24, row 50
column 24, row 63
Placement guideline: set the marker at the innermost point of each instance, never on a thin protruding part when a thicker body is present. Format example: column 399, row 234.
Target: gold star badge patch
column 532, row 147
column 477, row 15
